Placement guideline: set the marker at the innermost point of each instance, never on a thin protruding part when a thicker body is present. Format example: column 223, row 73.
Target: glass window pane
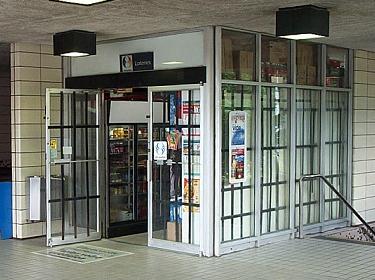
column 336, row 151
column 275, row 159
column 238, row 175
column 275, row 60
column 337, row 67
column 308, row 152
column 176, row 180
column 238, row 56
column 308, row 61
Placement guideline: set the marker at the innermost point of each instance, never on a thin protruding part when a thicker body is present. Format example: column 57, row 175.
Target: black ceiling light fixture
column 74, row 43
column 302, row 22
column 82, row 2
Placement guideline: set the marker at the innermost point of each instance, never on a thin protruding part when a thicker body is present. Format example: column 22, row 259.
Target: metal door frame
column 53, row 241
column 159, row 243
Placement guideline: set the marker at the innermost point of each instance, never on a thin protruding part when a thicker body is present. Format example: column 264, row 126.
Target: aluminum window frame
column 258, row 239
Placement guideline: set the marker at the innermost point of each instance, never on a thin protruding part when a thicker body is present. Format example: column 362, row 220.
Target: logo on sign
column 137, row 62
column 160, row 150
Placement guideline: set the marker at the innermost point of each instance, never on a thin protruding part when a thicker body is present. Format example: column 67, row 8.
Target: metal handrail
column 325, row 180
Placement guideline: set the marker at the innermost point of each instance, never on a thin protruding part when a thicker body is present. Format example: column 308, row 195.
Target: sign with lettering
column 237, row 146
column 137, row 62
column 160, row 150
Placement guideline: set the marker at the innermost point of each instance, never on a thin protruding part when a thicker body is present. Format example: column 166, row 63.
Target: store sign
column 237, row 146
column 137, row 62
column 53, row 149
column 160, row 150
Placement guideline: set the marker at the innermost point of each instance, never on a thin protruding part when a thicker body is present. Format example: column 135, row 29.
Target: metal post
column 300, row 233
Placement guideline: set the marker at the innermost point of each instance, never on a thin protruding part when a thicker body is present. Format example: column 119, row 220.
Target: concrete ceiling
column 352, row 22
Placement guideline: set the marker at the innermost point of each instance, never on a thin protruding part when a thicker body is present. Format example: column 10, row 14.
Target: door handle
column 61, row 161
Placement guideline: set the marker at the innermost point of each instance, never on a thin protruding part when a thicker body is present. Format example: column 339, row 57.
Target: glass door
column 121, row 173
column 72, row 166
column 174, row 168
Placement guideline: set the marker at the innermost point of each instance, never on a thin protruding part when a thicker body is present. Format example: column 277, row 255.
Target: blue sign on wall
column 137, row 62
column 5, row 210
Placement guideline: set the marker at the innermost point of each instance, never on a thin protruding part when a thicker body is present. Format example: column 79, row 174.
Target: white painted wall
column 187, row 48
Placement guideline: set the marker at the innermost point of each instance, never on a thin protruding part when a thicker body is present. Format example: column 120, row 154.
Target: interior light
column 302, row 22
column 74, row 54
column 74, row 43
column 172, row 62
column 81, row 2
column 302, row 36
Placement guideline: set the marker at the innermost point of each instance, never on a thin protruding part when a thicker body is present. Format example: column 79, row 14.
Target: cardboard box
column 301, row 74
column 305, row 54
column 311, row 75
column 278, row 52
column 244, row 64
column 227, row 55
column 171, row 231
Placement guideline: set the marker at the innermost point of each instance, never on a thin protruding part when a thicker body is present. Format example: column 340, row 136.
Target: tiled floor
column 294, row 259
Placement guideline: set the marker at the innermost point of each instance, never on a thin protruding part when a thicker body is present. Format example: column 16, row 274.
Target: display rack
column 127, row 163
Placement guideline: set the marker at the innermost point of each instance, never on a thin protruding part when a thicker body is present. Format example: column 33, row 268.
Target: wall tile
column 370, row 165
column 360, row 103
column 370, row 178
column 360, row 53
column 51, row 75
column 360, row 116
column 50, row 61
column 27, row 88
column 371, row 78
column 359, row 193
column 27, row 131
column 370, row 152
column 360, row 128
column 371, row 115
column 360, row 154
column 371, row 65
column 371, row 90
column 27, row 116
column 360, row 77
column 359, row 141
column 27, row 74
column 370, row 191
column 360, row 180
column 25, row 47
column 25, row 102
column 371, row 103
column 360, row 64
column 24, row 172
column 46, row 49
column 370, row 128
column 359, row 204
column 26, row 59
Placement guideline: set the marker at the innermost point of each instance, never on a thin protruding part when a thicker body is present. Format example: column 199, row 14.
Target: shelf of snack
column 141, row 165
column 121, row 173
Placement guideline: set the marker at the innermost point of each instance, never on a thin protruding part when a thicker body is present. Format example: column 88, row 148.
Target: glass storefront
column 238, row 197
column 275, row 159
column 237, row 148
column 296, row 125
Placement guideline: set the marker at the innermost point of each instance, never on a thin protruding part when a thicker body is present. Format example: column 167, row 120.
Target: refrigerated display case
column 127, row 180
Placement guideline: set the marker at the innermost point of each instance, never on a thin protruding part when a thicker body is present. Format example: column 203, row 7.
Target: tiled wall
column 364, row 135
column 34, row 69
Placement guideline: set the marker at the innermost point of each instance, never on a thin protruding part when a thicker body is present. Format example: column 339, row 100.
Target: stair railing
column 339, row 195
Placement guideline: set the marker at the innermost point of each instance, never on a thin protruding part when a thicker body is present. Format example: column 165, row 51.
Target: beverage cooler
column 127, row 179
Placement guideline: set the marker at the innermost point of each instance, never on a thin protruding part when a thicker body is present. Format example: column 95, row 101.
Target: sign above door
column 137, row 62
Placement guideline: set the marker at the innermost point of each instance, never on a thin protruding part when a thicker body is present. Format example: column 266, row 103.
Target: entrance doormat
column 82, row 253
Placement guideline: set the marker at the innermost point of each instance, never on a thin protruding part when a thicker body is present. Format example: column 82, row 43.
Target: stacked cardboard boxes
column 306, row 64
column 227, row 59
